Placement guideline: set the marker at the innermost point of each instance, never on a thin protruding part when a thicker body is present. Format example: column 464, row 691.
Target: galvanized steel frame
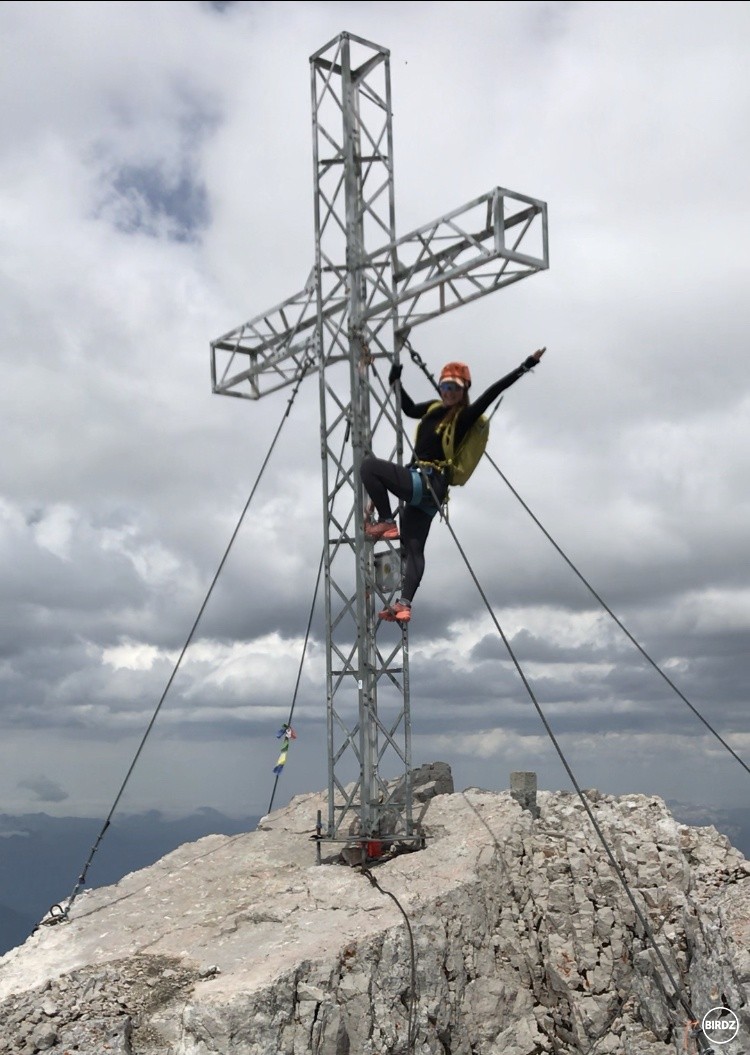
column 355, row 308
column 368, row 719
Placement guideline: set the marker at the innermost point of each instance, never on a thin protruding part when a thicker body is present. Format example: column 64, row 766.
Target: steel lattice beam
column 491, row 242
column 367, row 289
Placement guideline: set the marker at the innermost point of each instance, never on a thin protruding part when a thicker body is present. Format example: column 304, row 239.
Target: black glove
column 529, row 363
column 395, row 373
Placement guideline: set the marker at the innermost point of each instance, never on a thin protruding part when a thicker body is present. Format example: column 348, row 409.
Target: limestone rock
column 523, row 941
column 429, row 780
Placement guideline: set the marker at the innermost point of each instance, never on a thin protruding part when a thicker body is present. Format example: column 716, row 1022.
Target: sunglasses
column 449, row 386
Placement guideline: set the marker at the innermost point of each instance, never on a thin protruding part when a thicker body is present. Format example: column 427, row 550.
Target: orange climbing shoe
column 384, row 529
column 396, row 613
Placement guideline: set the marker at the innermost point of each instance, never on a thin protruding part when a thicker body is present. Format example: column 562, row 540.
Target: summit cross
column 366, row 291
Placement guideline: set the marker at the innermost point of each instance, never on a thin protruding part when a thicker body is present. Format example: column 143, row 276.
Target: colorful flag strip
column 288, row 735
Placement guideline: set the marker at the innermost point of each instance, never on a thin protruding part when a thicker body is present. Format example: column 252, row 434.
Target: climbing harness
column 425, row 485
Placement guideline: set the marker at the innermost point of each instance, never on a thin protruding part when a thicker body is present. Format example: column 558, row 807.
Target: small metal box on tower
column 388, row 571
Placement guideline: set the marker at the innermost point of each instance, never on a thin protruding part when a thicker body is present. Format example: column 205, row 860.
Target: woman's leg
column 380, row 477
column 415, row 527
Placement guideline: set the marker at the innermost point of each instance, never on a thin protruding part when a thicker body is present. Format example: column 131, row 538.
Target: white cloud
column 130, row 655
column 54, row 531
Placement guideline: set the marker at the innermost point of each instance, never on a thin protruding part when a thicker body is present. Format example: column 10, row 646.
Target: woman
column 423, row 484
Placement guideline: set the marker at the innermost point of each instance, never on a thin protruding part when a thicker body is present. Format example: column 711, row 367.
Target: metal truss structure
column 367, row 289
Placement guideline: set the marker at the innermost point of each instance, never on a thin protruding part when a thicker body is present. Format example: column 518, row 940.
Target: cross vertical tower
column 354, row 213
column 367, row 290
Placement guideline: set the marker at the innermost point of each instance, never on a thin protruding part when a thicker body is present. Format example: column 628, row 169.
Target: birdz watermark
column 720, row 1025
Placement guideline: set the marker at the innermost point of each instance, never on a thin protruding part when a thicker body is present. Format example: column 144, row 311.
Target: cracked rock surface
column 524, row 942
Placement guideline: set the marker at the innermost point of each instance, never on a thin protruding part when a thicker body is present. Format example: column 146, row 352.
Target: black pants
column 382, row 479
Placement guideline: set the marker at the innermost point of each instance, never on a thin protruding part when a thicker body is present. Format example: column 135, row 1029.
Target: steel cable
column 339, row 474
column 299, row 669
column 419, row 362
column 677, row 989
column 609, row 612
column 411, row 1030
column 579, row 791
column 65, row 910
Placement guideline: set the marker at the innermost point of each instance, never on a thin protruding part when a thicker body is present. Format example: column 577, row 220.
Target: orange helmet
column 458, row 372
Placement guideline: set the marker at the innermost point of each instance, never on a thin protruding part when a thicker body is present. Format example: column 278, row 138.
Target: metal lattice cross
column 366, row 291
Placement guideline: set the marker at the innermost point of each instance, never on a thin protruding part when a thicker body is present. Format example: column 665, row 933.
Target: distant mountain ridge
column 15, row 927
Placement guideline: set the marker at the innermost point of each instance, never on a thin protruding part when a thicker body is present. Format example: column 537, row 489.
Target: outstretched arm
column 473, row 412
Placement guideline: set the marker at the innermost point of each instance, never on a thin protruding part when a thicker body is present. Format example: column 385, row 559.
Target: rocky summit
column 520, row 940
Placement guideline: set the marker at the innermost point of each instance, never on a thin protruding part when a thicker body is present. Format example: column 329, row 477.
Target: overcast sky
column 156, row 190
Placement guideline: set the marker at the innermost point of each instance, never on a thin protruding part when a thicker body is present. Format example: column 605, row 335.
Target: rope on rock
column 411, row 1033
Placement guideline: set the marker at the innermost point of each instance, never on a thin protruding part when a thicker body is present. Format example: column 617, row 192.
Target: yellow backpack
column 461, row 463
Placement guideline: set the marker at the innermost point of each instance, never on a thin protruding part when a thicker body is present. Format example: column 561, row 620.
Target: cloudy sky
column 155, row 190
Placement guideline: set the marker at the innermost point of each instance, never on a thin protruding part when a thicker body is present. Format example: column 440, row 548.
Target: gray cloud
column 44, row 790
column 156, row 191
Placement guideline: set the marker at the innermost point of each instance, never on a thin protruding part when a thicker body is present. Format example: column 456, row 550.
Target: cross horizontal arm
column 490, row 242
column 270, row 350
column 265, row 344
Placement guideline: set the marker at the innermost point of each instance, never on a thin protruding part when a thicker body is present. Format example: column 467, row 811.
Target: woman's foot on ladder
column 399, row 612
column 384, row 529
